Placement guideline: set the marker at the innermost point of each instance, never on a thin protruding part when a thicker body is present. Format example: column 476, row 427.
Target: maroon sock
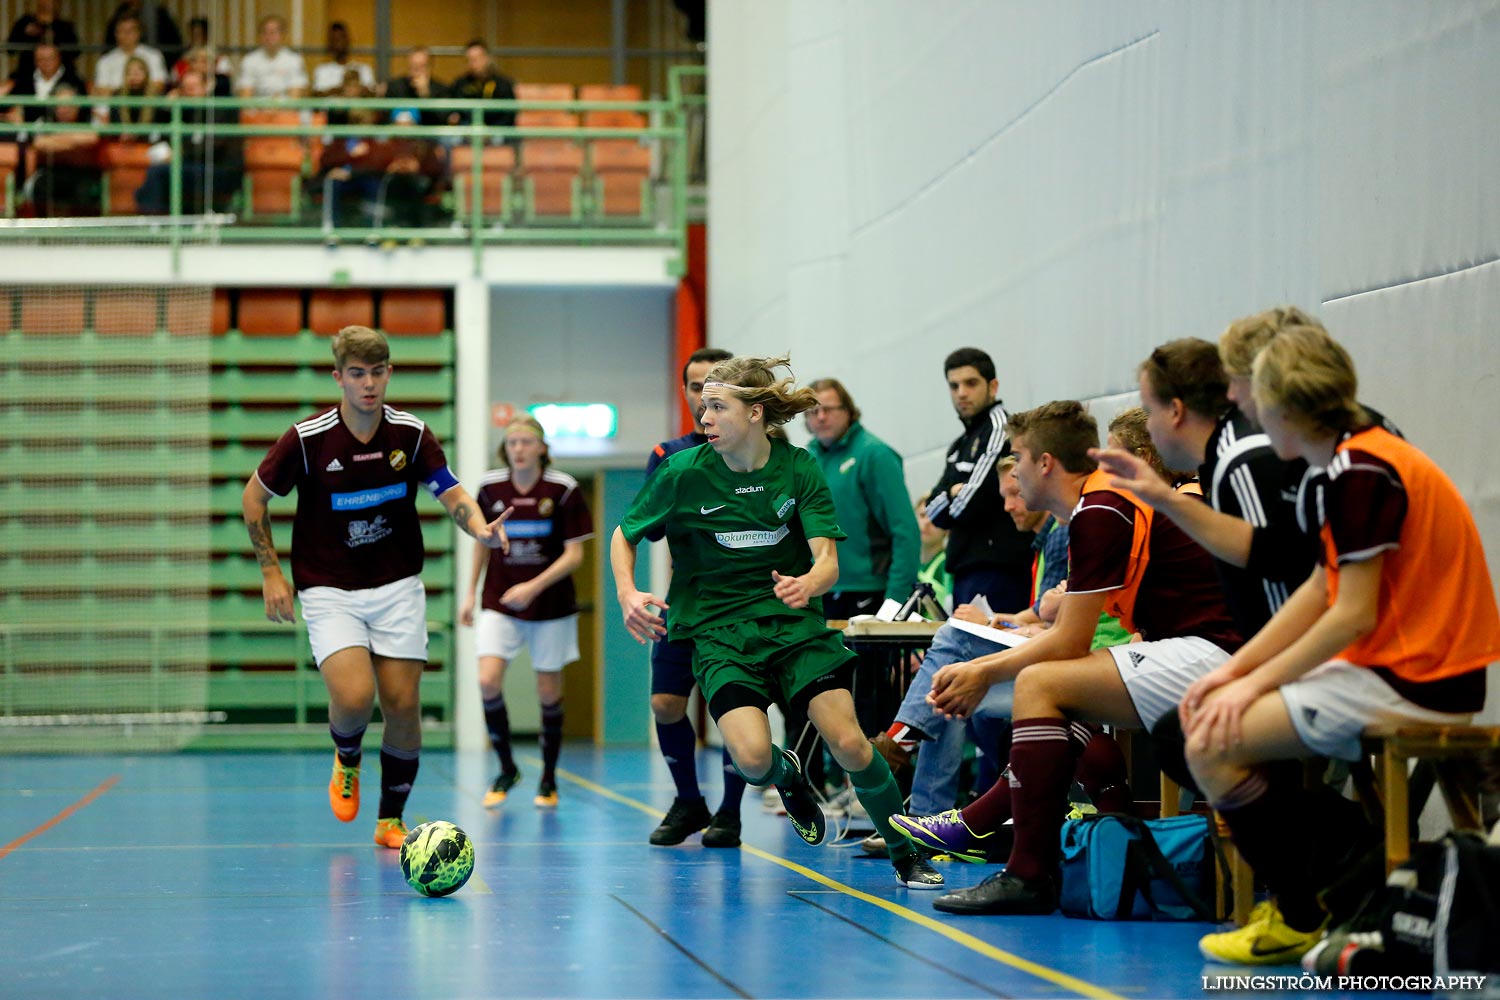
column 1102, row 773
column 989, row 812
column 1041, row 765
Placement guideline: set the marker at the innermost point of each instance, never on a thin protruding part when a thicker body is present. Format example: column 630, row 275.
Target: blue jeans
column 934, row 786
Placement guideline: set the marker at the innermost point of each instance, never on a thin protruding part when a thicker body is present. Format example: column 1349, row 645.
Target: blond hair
column 1309, row 376
column 527, row 422
column 753, row 381
column 1129, row 429
column 362, row 344
column 1246, row 337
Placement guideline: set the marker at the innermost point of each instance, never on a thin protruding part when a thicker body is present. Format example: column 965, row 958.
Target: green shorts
column 768, row 660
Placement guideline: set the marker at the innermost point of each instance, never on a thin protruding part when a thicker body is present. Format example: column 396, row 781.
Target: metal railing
column 668, row 136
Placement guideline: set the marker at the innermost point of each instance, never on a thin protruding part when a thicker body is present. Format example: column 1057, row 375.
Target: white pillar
column 469, row 454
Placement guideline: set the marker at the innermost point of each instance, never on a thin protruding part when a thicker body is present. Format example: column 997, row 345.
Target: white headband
column 721, row 385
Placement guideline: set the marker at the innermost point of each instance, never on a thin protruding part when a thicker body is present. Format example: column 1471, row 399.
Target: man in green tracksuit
column 879, row 558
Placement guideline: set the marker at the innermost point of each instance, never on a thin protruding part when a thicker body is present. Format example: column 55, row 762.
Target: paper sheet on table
column 1003, row 636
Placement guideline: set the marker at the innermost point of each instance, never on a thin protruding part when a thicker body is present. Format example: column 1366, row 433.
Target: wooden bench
column 1452, row 753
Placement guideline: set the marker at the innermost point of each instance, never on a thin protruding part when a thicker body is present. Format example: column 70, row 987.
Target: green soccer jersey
column 728, row 530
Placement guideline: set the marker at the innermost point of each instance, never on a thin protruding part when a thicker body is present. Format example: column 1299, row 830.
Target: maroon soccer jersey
column 356, row 525
column 1179, row 593
column 545, row 519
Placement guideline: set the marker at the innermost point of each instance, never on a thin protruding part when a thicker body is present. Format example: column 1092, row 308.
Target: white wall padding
column 1068, row 185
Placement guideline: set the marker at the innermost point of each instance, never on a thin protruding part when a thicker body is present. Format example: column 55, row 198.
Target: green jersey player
column 753, row 535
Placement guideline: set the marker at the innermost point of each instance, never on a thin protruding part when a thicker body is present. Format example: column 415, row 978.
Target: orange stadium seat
column 496, row 165
column 550, row 168
column 125, row 166
column 622, row 177
column 270, row 312
column 195, row 315
column 413, row 311
column 273, row 164
column 124, row 312
column 52, row 310
column 329, row 310
column 5, row 301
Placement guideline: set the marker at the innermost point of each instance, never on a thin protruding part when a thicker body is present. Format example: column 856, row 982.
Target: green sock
column 876, row 788
column 781, row 769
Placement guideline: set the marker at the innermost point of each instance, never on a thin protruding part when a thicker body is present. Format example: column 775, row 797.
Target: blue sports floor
column 225, row 875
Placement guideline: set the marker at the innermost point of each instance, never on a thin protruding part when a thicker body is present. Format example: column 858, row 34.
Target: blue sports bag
column 1118, row 867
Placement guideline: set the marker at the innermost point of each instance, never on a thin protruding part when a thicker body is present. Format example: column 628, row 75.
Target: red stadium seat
column 125, row 166
column 413, row 311
column 49, row 310
column 329, row 310
column 270, row 312
column 122, row 312
column 496, row 165
column 197, row 315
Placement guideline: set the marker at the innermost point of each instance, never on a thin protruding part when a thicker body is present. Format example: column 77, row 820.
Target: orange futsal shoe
column 390, row 832
column 343, row 790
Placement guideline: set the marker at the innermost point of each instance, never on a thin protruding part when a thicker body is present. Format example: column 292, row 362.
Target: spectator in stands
column 380, row 181
column 109, row 71
column 484, row 82
column 202, row 60
column 932, row 560
column 68, row 174
column 161, row 31
column 136, row 83
column 219, row 65
column 211, row 164
column 418, row 84
column 1146, row 572
column 986, row 554
column 47, row 74
column 328, row 77
column 271, row 70
column 1396, row 625
column 43, row 27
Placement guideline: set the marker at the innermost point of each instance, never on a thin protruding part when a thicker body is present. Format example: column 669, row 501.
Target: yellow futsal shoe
column 343, row 790
column 1265, row 940
column 546, row 795
column 390, row 832
column 501, row 787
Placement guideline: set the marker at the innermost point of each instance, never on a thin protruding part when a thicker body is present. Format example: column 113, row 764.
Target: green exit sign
column 576, row 420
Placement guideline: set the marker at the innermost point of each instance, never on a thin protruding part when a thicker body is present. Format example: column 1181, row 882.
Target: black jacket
column 981, row 534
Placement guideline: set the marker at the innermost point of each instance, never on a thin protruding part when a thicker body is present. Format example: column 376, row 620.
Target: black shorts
column 672, row 667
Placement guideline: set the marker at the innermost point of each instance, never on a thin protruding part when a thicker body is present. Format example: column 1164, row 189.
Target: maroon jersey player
column 356, row 563
column 528, row 600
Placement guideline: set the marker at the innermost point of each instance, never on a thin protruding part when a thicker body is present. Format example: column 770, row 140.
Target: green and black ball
column 437, row 858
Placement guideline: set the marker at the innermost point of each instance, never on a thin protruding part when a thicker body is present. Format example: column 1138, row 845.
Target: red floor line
column 104, row 786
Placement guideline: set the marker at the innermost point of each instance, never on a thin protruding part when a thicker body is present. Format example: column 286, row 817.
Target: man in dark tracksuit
column 987, row 554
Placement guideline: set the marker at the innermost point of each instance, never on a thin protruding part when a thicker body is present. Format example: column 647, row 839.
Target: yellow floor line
column 969, row 941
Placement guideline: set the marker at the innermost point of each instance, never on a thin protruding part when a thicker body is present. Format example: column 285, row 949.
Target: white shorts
column 553, row 643
column 1333, row 704
column 1157, row 674
column 389, row 621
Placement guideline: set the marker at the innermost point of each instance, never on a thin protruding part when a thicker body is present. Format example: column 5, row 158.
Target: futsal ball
column 437, row 858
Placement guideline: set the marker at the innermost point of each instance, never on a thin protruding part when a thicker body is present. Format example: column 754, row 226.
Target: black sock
column 1257, row 811
column 734, row 787
column 552, row 726
column 497, row 721
column 348, row 745
column 678, row 745
column 398, row 769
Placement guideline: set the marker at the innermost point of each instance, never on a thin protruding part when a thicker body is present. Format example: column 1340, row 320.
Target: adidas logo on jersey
column 334, row 466
column 1136, row 659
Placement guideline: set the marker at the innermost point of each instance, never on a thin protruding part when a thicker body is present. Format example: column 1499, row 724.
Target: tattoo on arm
column 260, row 538
column 461, row 514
